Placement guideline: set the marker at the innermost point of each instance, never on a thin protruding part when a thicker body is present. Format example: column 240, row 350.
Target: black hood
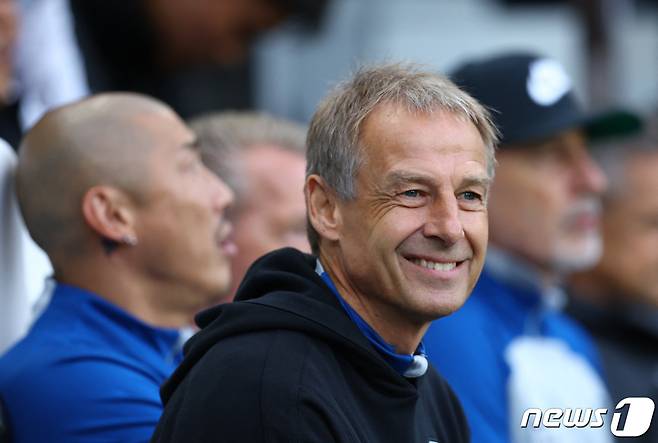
column 281, row 291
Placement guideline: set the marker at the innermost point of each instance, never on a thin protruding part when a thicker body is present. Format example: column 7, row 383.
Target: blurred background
column 281, row 56
column 610, row 47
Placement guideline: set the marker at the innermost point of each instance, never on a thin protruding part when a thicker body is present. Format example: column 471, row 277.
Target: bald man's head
column 102, row 140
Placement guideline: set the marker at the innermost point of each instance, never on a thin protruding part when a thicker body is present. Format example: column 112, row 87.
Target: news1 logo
column 631, row 417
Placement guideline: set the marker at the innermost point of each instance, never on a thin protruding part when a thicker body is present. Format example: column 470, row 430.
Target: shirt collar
column 407, row 365
column 517, row 272
column 167, row 341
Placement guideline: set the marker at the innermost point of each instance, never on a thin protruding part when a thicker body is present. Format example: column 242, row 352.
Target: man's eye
column 413, row 193
column 472, row 196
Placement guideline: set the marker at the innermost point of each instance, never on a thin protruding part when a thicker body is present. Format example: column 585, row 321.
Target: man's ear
column 108, row 212
column 323, row 211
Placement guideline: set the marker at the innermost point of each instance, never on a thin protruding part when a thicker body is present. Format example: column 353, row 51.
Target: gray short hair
column 223, row 135
column 333, row 150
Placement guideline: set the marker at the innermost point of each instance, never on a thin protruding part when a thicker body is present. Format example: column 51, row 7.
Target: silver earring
column 129, row 240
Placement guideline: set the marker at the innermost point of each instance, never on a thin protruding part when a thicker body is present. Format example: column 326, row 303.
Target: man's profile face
column 545, row 204
column 630, row 230
column 413, row 240
column 182, row 231
column 271, row 213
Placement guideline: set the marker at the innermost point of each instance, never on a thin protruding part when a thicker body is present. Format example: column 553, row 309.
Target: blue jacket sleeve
column 470, row 358
column 84, row 399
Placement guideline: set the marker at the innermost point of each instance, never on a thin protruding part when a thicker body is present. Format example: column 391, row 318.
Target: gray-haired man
column 327, row 348
column 262, row 159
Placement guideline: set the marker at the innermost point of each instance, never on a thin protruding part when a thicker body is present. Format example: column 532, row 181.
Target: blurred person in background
column 23, row 266
column 510, row 347
column 262, row 159
column 40, row 65
column 617, row 300
column 8, row 30
column 114, row 190
column 49, row 69
column 192, row 54
column 9, row 125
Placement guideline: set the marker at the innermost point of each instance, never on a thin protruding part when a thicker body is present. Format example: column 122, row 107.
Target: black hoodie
column 284, row 363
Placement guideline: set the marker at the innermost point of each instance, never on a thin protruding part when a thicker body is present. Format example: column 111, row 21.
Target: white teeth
column 434, row 265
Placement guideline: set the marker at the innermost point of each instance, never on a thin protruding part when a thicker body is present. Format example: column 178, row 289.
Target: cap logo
column 547, row 82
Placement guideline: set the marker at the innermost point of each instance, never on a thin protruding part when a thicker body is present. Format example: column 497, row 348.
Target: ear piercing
column 129, row 240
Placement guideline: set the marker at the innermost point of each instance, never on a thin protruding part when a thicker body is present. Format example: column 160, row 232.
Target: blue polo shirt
column 86, row 372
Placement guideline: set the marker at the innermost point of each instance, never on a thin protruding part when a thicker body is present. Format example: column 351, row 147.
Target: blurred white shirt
column 49, row 67
column 24, row 267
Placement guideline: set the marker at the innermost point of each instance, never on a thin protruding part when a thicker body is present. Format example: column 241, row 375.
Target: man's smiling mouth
column 446, row 264
column 443, row 266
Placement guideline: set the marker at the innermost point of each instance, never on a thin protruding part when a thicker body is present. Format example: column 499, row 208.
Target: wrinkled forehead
column 404, row 125
column 407, row 129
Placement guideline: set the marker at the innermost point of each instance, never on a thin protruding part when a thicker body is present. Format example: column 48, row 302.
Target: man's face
column 271, row 214
column 545, row 204
column 630, row 230
column 232, row 26
column 412, row 242
column 220, row 30
column 181, row 228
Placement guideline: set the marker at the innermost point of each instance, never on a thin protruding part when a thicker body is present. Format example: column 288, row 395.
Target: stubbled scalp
column 104, row 139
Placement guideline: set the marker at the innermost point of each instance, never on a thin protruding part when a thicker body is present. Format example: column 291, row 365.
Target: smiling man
column 114, row 191
column 327, row 347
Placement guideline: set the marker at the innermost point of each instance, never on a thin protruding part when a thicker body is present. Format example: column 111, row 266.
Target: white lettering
column 598, row 418
column 639, row 413
column 578, row 418
column 632, row 417
column 552, row 418
column 526, row 417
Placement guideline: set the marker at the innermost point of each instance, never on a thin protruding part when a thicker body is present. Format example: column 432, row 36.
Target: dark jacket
column 284, row 363
column 627, row 338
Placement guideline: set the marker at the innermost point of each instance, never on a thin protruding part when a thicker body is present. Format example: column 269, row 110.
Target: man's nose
column 222, row 195
column 443, row 220
column 588, row 176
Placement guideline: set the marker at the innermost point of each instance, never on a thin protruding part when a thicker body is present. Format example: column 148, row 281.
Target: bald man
column 113, row 189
